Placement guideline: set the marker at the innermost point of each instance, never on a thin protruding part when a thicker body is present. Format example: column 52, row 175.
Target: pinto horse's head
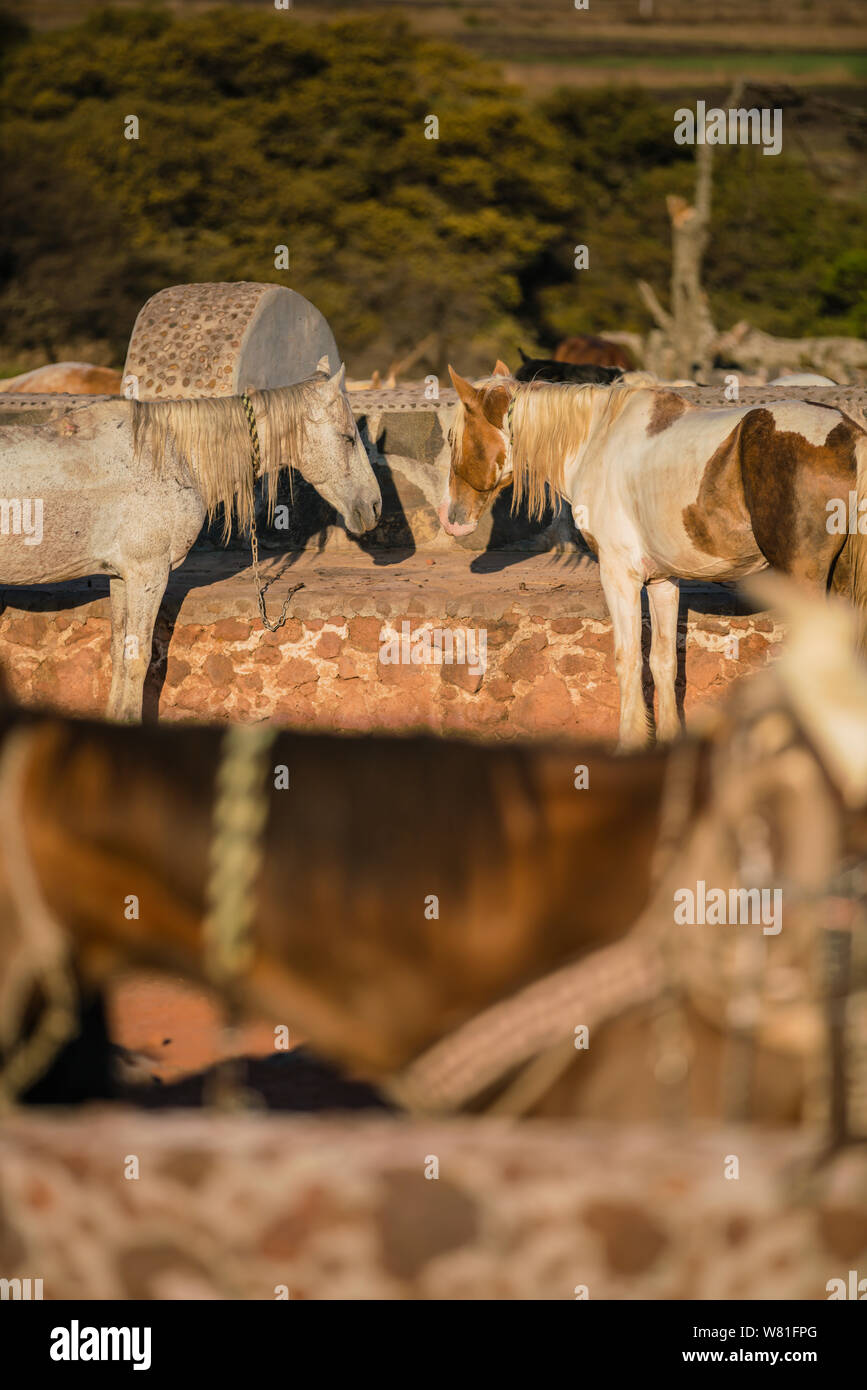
column 480, row 466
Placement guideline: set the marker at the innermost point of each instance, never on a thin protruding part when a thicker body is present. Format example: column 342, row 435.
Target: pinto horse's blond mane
column 550, row 424
column 211, row 436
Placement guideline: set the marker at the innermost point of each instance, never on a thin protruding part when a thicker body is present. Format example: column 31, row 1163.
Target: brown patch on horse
column 787, row 482
column 667, row 407
column 718, row 521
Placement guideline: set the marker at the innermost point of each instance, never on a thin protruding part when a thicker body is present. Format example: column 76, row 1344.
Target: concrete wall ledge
column 234, row 1207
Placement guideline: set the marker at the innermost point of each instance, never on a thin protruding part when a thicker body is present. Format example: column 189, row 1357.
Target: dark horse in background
column 547, row 369
column 587, row 348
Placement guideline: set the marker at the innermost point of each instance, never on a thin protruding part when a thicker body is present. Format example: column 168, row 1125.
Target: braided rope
column 518, row 1029
column 237, row 849
column 272, row 624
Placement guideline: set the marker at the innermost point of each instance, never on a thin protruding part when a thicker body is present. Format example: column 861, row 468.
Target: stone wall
column 238, row 1207
column 549, row 667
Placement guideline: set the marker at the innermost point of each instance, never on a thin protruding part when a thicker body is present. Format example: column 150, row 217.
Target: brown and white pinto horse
column 663, row 491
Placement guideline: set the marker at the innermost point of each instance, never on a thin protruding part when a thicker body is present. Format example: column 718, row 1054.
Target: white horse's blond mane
column 210, row 435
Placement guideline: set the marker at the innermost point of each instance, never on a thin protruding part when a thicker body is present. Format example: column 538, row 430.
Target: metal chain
column 256, row 464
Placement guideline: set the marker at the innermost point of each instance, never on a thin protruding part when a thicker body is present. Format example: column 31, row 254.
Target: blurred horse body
column 411, row 883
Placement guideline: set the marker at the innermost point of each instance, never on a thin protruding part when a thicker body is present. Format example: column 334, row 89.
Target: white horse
column 802, row 379
column 664, row 491
column 123, row 487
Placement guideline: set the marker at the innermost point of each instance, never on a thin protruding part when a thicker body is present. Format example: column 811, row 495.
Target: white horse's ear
column 323, row 365
column 338, row 381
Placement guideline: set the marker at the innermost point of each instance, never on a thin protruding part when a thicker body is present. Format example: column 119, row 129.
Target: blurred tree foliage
column 257, row 131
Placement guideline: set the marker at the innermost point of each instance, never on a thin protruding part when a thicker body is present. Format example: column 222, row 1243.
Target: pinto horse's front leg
column 664, row 598
column 622, row 588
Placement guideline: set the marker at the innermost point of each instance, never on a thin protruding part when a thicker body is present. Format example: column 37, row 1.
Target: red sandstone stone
column 754, row 648
column 231, row 630
column 573, row 664
column 347, row 669
column 314, row 624
column 462, row 677
column 328, row 647
column 501, row 633
column 407, row 677
column 703, row 668
column 596, row 722
column 219, row 669
column 28, row 630
column 296, row 672
column 526, row 662
column 77, row 687
column 194, row 695
column 548, row 708
column 498, row 688
column 177, row 670
column 186, row 635
column 365, row 631
column 597, row 641
column 92, row 628
column 290, row 632
column 566, row 626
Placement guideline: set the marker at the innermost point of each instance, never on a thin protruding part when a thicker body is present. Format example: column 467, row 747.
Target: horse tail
column 856, row 543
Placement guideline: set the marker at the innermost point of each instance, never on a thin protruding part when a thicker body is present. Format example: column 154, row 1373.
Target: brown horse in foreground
column 411, row 883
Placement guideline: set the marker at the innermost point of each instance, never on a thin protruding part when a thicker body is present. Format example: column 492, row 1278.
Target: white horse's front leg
column 664, row 598
column 145, row 587
column 622, row 589
column 117, row 590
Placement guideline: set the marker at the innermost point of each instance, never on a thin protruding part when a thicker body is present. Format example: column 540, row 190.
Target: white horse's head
column 335, row 461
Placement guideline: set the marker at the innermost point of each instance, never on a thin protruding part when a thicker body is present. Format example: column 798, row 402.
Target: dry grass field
column 547, row 43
